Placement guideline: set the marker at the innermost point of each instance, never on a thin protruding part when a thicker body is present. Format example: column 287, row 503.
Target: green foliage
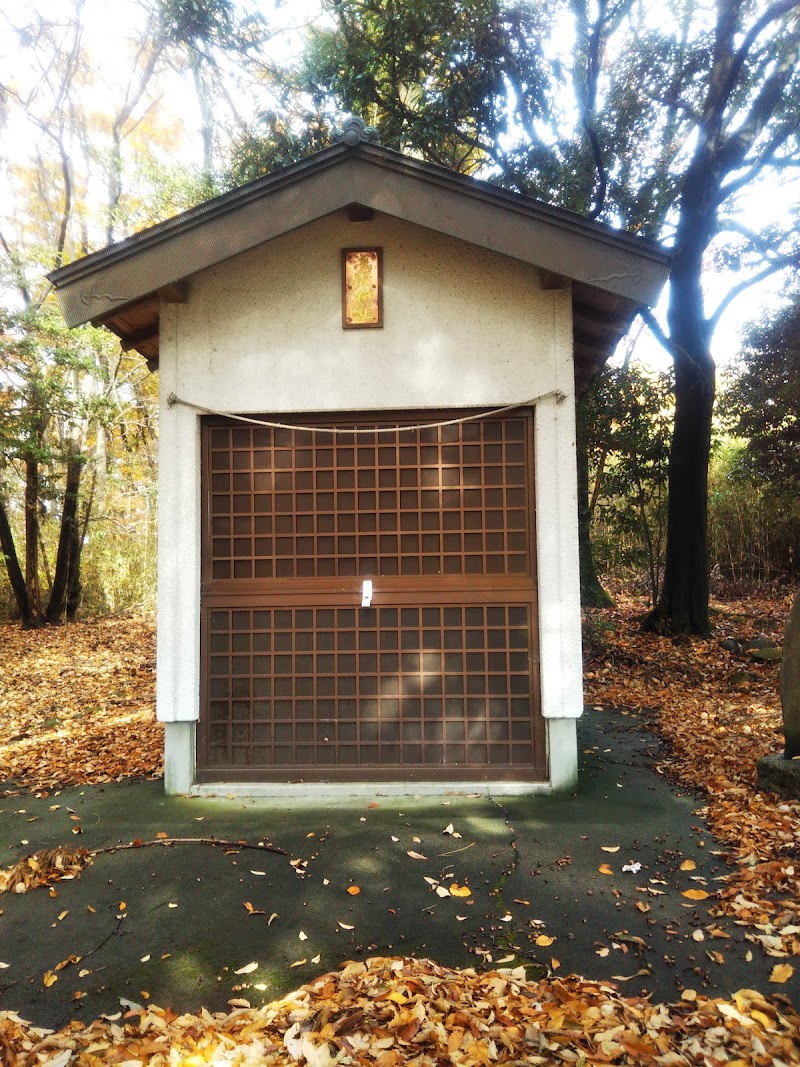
column 441, row 80
column 754, row 527
column 274, row 145
column 761, row 402
column 629, row 421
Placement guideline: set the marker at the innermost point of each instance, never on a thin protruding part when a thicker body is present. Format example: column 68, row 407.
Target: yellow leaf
column 161, row 835
column 344, row 926
column 695, row 894
column 416, row 855
column 609, row 848
column 781, row 973
column 543, row 940
column 49, row 979
column 353, row 890
column 297, row 963
column 554, row 964
column 688, row 865
column 247, row 969
column 460, row 890
column 605, row 869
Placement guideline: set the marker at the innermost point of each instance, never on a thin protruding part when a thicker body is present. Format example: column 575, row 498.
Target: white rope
column 556, row 394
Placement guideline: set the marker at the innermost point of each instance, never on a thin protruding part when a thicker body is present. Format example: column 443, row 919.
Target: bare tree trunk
column 69, row 519
column 13, row 569
column 32, row 542
column 79, row 529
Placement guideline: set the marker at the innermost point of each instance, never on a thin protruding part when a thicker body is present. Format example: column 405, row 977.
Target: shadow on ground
column 194, row 914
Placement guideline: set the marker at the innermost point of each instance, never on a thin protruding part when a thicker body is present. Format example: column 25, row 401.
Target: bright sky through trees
column 171, row 114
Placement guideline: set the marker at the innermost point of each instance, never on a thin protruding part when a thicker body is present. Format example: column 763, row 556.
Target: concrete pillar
column 179, row 757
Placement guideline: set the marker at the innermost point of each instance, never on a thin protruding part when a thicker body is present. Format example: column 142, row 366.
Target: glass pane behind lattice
column 392, row 687
column 295, row 504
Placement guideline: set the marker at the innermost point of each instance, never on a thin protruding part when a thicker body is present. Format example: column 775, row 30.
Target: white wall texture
column 462, row 327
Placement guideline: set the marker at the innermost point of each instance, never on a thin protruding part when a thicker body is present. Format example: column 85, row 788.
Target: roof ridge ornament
column 353, row 130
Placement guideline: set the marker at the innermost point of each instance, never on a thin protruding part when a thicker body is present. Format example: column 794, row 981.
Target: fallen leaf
column 688, row 865
column 353, row 890
column 543, row 940
column 605, row 869
column 695, row 894
column 610, row 848
column 345, row 926
column 302, row 936
column 460, row 890
column 247, row 969
column 416, row 855
column 781, row 973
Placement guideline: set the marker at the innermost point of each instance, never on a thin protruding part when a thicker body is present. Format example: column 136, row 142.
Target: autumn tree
column 662, row 125
column 62, row 392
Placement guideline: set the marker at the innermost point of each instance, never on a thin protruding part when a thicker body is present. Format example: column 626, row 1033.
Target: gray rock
column 766, row 655
column 738, row 678
column 757, row 642
column 730, row 644
column 790, row 682
column 774, row 774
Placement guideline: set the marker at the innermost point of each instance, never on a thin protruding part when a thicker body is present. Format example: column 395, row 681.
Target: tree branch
column 772, row 14
column 654, row 326
column 735, row 150
column 774, row 265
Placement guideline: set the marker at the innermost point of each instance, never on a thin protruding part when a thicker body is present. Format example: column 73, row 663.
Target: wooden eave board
column 518, row 226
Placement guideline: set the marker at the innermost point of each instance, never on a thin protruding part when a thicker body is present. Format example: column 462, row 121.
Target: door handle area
column 366, row 593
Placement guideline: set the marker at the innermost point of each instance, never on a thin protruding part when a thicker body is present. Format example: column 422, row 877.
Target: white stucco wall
column 462, row 327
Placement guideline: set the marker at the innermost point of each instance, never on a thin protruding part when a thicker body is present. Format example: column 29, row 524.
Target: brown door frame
column 389, row 591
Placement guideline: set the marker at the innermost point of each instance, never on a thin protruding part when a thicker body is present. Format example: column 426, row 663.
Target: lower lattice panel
column 383, row 687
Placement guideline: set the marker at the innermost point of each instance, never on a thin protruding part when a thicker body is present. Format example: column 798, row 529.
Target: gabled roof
column 612, row 273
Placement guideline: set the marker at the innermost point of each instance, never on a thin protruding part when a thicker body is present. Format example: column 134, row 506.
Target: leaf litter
column 77, row 704
column 714, row 746
column 387, row 1012
column 716, row 727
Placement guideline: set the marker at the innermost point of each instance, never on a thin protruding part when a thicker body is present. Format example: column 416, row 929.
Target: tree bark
column 32, row 542
column 682, row 606
column 69, row 519
column 15, row 575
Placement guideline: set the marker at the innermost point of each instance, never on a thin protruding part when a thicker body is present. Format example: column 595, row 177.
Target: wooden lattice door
column 439, row 677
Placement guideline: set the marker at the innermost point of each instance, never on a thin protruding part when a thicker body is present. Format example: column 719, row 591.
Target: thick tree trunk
column 682, row 607
column 15, row 575
column 69, row 520
column 593, row 595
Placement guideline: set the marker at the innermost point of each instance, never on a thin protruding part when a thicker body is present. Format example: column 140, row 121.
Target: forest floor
column 76, row 708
